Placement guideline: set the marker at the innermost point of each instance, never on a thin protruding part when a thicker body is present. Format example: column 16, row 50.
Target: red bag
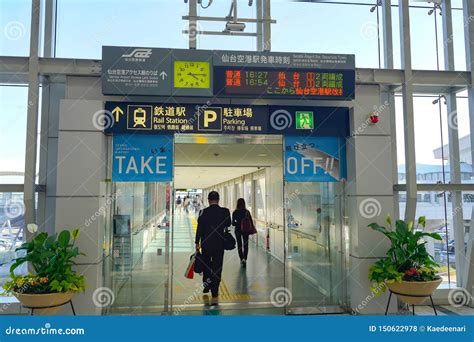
column 246, row 225
column 190, row 269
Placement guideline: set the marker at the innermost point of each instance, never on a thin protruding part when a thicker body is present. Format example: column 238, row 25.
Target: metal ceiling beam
column 13, row 69
column 437, row 187
column 244, row 20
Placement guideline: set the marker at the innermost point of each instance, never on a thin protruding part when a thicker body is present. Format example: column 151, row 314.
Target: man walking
column 210, row 237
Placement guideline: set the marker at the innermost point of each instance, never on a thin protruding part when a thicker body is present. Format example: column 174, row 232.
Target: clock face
column 192, row 74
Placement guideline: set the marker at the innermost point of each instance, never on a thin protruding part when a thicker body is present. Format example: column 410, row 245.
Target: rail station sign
column 314, row 159
column 142, row 158
column 170, row 118
column 179, row 72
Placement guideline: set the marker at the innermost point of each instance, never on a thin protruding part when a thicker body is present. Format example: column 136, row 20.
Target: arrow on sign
column 163, row 75
column 117, row 111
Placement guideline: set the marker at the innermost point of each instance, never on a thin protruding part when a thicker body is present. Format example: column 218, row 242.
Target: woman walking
column 238, row 215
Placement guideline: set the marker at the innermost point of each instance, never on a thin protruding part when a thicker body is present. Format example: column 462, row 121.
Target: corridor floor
column 243, row 290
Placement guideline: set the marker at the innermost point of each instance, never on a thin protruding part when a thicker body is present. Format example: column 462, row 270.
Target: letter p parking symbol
column 210, row 119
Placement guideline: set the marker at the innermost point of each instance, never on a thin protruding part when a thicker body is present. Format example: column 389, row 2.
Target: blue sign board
column 314, row 159
column 169, row 118
column 142, row 158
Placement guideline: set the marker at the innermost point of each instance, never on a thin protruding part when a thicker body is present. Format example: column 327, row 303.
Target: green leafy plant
column 407, row 258
column 51, row 258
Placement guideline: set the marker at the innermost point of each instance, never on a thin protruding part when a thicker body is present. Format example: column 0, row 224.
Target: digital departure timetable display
column 327, row 84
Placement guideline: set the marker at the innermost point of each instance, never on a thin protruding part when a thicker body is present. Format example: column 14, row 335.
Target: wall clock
column 192, row 74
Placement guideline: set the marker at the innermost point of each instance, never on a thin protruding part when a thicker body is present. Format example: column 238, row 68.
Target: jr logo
column 210, row 118
column 138, row 53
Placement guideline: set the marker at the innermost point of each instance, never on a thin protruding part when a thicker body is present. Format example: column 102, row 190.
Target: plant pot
column 414, row 288
column 36, row 301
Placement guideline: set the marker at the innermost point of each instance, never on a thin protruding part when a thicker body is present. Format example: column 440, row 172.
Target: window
column 151, row 23
column 13, row 102
column 15, row 24
column 321, row 25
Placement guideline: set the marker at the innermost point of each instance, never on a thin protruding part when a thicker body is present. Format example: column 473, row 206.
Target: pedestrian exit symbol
column 304, row 120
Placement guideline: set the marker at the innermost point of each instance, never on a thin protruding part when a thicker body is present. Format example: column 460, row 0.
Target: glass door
column 314, row 267
column 136, row 271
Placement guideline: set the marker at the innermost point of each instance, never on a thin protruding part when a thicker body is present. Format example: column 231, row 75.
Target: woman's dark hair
column 240, row 204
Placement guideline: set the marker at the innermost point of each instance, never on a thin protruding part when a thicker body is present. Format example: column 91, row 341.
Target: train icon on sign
column 139, row 117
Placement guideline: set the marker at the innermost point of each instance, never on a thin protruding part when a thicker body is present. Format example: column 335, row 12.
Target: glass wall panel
column 260, row 205
column 248, row 195
column 400, row 126
column 423, row 39
column 314, row 268
column 321, row 27
column 123, row 23
column 436, row 207
column 221, row 9
column 15, row 24
column 12, row 223
column 13, row 104
column 465, row 151
column 430, row 134
column 139, row 240
column 458, row 39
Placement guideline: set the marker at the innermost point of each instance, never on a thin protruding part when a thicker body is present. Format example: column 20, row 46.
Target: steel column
column 267, row 26
column 192, row 25
column 259, row 25
column 468, row 18
column 32, row 116
column 454, row 157
column 387, row 33
column 390, row 94
column 49, row 38
column 408, row 117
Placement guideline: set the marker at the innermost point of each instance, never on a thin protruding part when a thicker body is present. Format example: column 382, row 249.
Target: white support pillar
column 454, row 158
column 32, row 117
column 259, row 25
column 192, row 25
column 267, row 26
column 388, row 97
column 468, row 19
column 408, row 115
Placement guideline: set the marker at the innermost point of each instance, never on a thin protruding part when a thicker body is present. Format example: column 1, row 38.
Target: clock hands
column 194, row 75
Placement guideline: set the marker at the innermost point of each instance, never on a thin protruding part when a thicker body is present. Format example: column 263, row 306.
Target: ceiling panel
column 202, row 164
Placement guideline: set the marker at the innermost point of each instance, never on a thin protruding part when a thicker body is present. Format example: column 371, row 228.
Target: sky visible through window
column 85, row 25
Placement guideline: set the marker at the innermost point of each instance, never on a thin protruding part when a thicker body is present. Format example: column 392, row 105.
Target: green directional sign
column 304, row 120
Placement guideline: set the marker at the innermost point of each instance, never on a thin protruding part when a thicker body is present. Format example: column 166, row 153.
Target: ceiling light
column 262, row 155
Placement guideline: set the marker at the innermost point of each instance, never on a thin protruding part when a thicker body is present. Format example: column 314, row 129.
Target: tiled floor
column 243, row 290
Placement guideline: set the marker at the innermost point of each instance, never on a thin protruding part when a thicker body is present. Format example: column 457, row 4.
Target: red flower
column 411, row 272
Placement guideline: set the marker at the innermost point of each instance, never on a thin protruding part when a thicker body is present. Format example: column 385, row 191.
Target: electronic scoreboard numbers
column 290, row 83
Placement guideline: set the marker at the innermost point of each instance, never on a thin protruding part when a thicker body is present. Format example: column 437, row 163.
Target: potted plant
column 53, row 282
column 408, row 268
